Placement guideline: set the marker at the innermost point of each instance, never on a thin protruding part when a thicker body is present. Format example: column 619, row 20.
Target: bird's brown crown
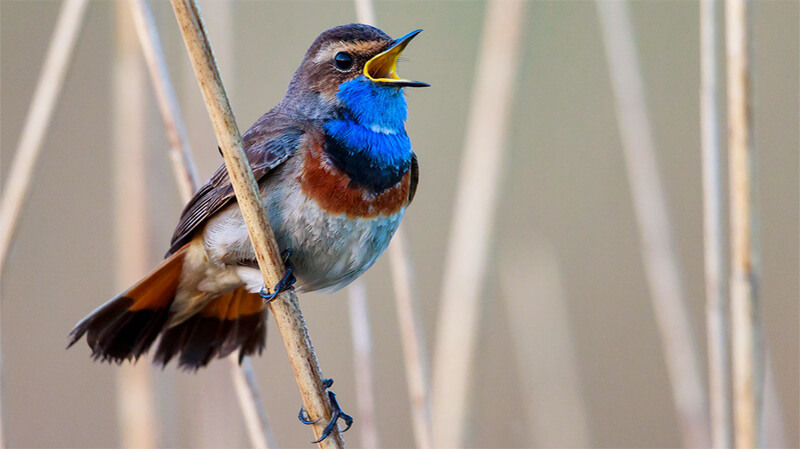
column 354, row 44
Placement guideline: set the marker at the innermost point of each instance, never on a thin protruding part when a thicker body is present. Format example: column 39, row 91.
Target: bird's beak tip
column 382, row 68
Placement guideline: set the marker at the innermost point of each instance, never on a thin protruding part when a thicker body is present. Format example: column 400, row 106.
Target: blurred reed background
column 566, row 347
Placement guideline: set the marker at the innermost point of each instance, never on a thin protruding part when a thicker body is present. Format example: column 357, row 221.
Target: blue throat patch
column 369, row 141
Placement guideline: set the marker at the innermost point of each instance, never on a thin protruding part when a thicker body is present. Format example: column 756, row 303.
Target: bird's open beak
column 383, row 66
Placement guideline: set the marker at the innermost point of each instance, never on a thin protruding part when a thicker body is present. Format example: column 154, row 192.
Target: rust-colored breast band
column 333, row 191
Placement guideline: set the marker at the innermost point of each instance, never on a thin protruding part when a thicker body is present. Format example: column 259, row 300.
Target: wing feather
column 267, row 144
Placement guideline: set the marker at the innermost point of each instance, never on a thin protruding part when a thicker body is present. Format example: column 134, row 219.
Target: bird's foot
column 286, row 283
column 337, row 414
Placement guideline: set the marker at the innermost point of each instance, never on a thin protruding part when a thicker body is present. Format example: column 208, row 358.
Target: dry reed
column 748, row 364
column 244, row 380
column 251, row 403
column 180, row 150
column 362, row 358
column 716, row 298
column 48, row 88
column 285, row 309
column 658, row 254
column 551, row 399
column 135, row 399
column 472, row 222
column 416, row 361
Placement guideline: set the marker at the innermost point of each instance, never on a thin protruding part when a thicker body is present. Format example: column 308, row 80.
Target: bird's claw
column 337, row 414
column 286, row 283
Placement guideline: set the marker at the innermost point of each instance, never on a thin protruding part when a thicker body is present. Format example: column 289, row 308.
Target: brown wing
column 414, row 177
column 267, row 144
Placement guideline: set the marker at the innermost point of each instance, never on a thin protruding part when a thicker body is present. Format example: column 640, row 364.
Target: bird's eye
column 343, row 61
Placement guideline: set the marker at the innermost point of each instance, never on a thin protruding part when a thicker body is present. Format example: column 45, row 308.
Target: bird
column 336, row 172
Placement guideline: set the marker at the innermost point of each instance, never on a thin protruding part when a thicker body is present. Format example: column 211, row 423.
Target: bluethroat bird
column 336, row 172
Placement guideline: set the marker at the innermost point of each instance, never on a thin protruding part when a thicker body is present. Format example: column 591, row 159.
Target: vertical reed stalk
column 285, row 309
column 660, row 261
column 245, row 383
column 748, row 370
column 472, row 223
column 136, row 412
column 255, row 415
column 180, row 150
column 362, row 357
column 716, row 299
column 48, row 89
column 413, row 339
column 551, row 400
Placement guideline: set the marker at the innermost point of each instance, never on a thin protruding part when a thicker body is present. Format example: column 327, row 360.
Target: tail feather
column 234, row 320
column 128, row 325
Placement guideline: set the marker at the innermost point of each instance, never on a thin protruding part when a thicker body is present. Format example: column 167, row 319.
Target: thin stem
column 550, row 400
column 362, row 356
column 748, row 364
column 716, row 300
column 135, row 398
column 245, row 383
column 658, row 254
column 251, row 403
column 472, row 223
column 285, row 308
column 48, row 89
column 180, row 149
column 413, row 339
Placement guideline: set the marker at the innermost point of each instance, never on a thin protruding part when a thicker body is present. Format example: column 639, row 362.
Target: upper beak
column 382, row 68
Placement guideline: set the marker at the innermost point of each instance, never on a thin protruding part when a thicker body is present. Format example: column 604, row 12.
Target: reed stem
column 748, row 363
column 716, row 299
column 184, row 169
column 472, row 223
column 658, row 244
column 362, row 357
column 285, row 309
column 135, row 398
column 413, row 339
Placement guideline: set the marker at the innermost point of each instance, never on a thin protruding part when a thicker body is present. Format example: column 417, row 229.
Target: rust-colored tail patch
column 126, row 326
column 234, row 320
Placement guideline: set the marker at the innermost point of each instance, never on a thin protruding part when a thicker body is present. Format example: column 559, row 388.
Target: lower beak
column 382, row 68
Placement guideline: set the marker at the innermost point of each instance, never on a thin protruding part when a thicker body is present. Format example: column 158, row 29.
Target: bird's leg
column 286, row 282
column 337, row 414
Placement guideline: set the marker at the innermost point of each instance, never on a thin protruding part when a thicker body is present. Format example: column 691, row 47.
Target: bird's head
column 351, row 64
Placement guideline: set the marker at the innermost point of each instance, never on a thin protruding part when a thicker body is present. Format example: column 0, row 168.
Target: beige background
column 564, row 189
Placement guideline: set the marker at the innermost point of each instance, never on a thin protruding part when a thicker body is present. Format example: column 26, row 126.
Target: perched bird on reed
column 336, row 172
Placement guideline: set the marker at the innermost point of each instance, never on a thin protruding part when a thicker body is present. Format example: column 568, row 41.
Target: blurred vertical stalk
column 48, row 89
column 416, row 360
column 716, row 299
column 180, row 150
column 660, row 261
column 536, row 308
column 473, row 219
column 136, row 412
column 748, row 363
column 362, row 357
column 244, row 379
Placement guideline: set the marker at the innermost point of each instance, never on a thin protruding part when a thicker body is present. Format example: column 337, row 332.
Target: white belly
column 328, row 251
